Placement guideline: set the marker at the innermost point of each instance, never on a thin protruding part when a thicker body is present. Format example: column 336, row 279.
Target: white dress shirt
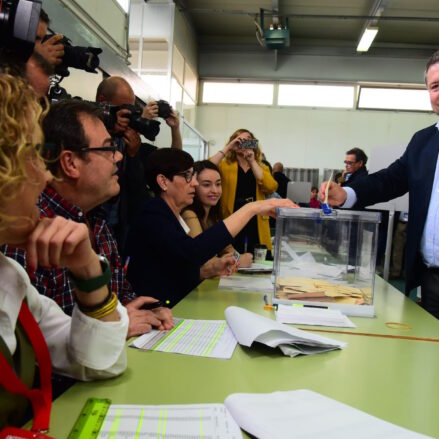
column 80, row 346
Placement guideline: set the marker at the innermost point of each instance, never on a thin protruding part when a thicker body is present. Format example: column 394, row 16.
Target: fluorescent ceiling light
column 367, row 39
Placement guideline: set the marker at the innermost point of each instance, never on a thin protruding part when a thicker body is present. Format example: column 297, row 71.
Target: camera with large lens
column 165, row 109
column 78, row 57
column 146, row 127
column 18, row 28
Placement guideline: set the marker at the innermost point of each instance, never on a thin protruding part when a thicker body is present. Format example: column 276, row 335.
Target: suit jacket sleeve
column 384, row 185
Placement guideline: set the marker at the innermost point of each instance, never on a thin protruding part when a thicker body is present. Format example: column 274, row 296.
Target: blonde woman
column 244, row 179
column 91, row 343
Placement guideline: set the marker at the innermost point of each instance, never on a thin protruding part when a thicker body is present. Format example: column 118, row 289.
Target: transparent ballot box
column 326, row 260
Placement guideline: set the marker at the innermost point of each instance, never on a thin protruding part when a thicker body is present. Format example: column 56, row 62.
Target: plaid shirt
column 55, row 282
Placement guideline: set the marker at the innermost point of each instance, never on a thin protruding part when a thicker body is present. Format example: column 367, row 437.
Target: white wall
column 310, row 138
column 157, row 20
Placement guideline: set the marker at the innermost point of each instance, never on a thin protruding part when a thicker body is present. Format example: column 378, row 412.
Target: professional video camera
column 249, row 144
column 18, row 28
column 82, row 58
column 146, row 127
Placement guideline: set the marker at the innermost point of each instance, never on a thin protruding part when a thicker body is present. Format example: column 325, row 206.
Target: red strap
column 41, row 399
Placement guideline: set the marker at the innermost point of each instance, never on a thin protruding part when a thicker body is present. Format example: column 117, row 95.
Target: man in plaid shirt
column 85, row 177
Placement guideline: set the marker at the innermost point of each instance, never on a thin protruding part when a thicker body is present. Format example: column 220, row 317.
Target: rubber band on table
column 398, row 325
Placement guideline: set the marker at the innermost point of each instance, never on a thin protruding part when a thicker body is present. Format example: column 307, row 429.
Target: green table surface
column 393, row 379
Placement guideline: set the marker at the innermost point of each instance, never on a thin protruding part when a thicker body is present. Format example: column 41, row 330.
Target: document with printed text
column 202, row 338
column 174, row 421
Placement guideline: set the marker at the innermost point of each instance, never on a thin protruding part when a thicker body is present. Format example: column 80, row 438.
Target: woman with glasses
column 164, row 259
column 205, row 210
column 91, row 343
column 245, row 179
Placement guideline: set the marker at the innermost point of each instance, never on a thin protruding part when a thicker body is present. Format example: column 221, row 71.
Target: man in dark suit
column 281, row 178
column 355, row 164
column 415, row 172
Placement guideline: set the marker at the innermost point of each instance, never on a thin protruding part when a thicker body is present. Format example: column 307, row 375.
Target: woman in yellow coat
column 244, row 179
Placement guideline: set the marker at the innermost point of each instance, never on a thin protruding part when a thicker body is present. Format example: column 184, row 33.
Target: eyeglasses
column 349, row 163
column 113, row 148
column 188, row 175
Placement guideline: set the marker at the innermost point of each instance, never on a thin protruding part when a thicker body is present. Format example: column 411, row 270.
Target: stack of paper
column 171, row 421
column 307, row 266
column 266, row 267
column 303, row 315
column 218, row 339
column 303, row 414
column 202, row 338
column 249, row 327
column 246, row 283
column 307, row 288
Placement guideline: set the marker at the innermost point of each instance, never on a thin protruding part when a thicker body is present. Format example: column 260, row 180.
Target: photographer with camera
column 125, row 123
column 38, row 71
column 50, row 49
column 245, row 179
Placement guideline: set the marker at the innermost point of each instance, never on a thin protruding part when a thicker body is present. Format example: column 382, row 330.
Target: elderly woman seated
column 164, row 259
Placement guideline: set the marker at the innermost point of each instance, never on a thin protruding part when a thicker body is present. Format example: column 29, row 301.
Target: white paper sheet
column 303, row 315
column 175, row 421
column 246, row 283
column 303, row 414
column 307, row 266
column 249, row 327
column 202, row 338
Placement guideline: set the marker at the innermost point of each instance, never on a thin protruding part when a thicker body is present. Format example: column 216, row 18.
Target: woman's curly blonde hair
column 231, row 154
column 20, row 114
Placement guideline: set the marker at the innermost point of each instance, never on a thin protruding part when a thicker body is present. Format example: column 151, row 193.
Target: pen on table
column 301, row 305
column 125, row 267
column 245, row 244
column 267, row 305
column 154, row 305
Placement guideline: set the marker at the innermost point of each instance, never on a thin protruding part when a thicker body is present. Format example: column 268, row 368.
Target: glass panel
column 309, row 95
column 190, row 82
column 193, row 143
column 238, row 93
column 178, row 64
column 394, row 99
column 176, row 95
column 189, row 109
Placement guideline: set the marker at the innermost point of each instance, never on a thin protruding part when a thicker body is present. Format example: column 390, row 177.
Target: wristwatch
column 93, row 283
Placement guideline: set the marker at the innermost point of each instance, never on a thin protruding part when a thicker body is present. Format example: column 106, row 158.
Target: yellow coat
column 266, row 186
